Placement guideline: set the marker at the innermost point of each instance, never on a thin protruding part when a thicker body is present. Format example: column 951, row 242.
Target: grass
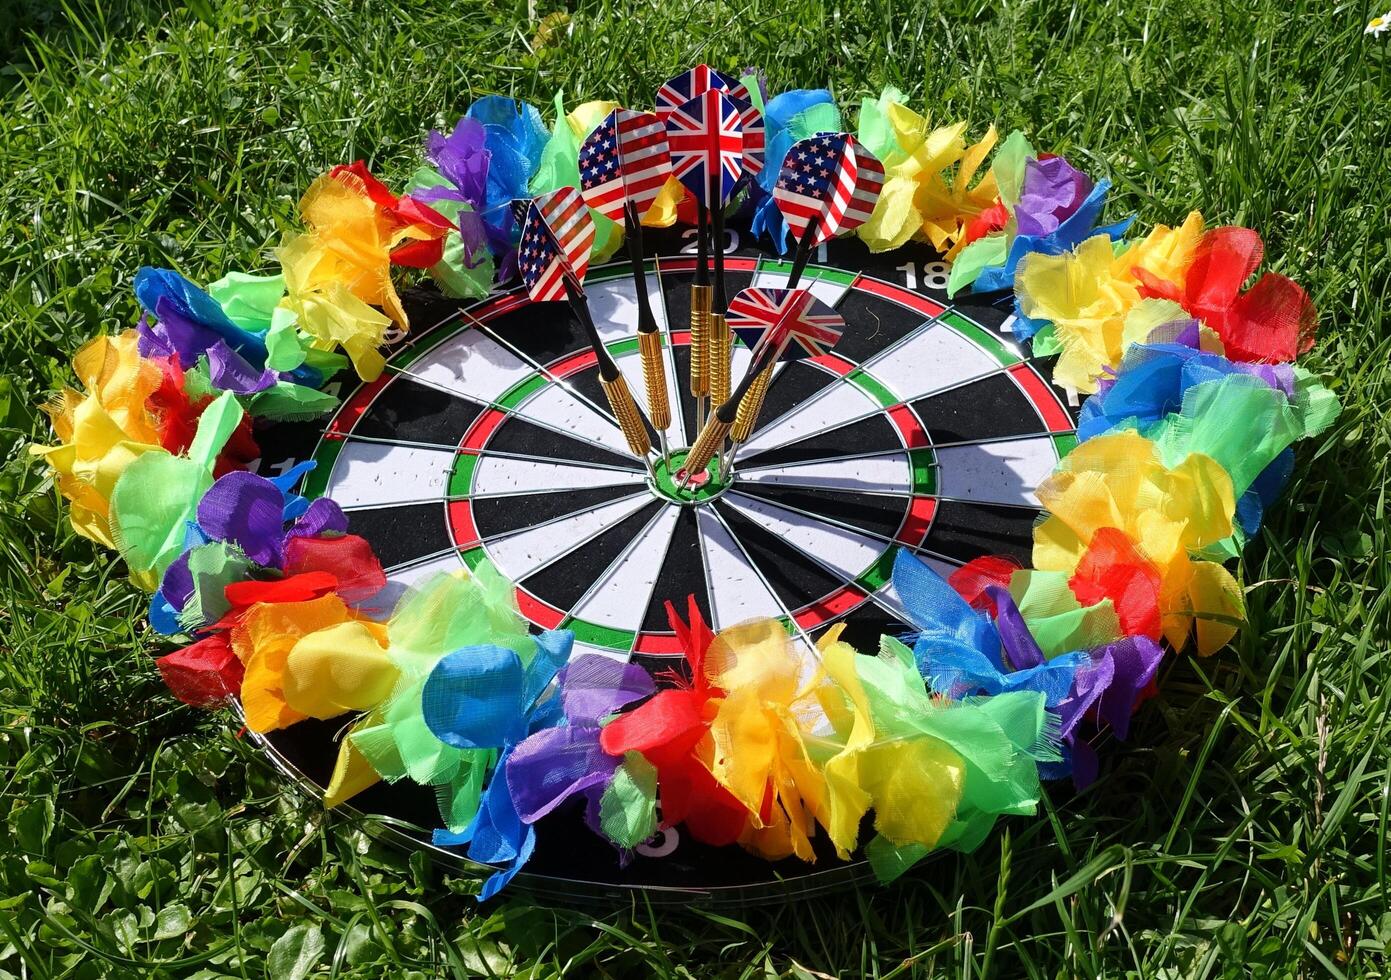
column 1242, row 831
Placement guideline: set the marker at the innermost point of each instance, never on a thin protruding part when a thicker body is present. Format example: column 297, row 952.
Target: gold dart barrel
column 720, row 350
column 751, row 406
column 654, row 377
column 700, row 341
column 629, row 418
column 707, row 444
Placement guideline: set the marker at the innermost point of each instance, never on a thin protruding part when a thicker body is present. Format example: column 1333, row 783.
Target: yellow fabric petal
column 1218, row 606
column 848, row 708
column 102, row 431
column 895, row 774
column 663, row 212
column 1086, row 303
column 1165, row 253
column 338, row 669
column 759, row 736
column 1146, row 316
column 263, row 641
column 328, row 310
column 586, row 116
column 352, row 773
column 896, row 218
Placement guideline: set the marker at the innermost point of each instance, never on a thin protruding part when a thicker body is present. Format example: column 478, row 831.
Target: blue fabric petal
column 163, row 617
column 473, row 698
column 552, row 651
column 939, row 612
column 1071, row 232
column 496, row 835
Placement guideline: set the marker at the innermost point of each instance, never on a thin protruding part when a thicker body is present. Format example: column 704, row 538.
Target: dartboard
column 488, row 438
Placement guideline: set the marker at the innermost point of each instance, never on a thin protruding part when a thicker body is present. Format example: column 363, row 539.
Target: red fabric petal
column 174, row 413
column 695, row 638
column 1224, row 260
column 1152, row 287
column 687, row 213
column 973, row 578
column 346, row 558
column 673, row 720
column 295, row 588
column 991, row 219
column 240, row 451
column 413, row 212
column 1275, row 321
column 204, row 674
column 419, row 253
column 377, row 192
column 1113, row 569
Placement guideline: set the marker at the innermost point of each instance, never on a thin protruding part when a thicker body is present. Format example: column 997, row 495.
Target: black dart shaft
column 647, row 323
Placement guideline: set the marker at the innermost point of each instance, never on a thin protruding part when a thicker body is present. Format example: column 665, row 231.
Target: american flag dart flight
column 624, row 164
column 478, row 536
column 553, row 257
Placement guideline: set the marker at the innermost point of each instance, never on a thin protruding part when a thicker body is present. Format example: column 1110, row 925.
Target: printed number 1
column 934, row 275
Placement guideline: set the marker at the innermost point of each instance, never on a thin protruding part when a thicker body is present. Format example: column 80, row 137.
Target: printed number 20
column 934, row 275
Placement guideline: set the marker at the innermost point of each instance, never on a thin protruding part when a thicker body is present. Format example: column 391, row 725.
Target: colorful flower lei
column 1195, row 403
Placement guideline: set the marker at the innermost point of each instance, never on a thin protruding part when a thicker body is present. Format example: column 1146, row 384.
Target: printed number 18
column 934, row 275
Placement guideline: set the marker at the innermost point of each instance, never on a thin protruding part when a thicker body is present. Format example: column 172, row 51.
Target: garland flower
column 1186, row 440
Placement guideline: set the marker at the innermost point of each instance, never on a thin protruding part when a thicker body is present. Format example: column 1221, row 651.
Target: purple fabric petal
column 153, row 341
column 1134, row 660
column 463, row 158
column 177, row 584
column 323, row 516
column 245, row 509
column 1021, row 650
column 229, row 371
column 1085, row 764
column 185, row 336
column 1089, row 682
column 594, row 687
column 1053, row 189
column 474, row 234
column 554, row 764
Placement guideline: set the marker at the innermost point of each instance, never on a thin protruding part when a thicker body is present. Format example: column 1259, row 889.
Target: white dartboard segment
column 738, row 592
column 471, row 364
column 496, row 475
column 932, row 359
column 1005, row 472
column 525, row 552
column 875, row 474
column 618, row 597
column 613, row 304
column 373, row 474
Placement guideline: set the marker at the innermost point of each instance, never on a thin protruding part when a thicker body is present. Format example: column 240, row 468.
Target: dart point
column 670, row 482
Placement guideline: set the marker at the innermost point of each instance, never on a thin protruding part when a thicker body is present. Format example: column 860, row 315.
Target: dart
column 778, row 324
column 623, row 165
column 828, row 184
column 706, row 141
column 553, row 257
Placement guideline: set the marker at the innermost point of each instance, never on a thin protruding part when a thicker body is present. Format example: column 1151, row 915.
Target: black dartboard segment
column 489, row 438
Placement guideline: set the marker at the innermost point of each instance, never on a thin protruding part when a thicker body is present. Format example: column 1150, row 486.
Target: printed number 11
column 934, row 275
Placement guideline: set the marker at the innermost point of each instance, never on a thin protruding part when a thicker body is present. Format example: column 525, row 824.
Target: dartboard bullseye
column 488, row 437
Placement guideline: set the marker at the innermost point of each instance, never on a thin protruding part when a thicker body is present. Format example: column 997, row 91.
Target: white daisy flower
column 1379, row 25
